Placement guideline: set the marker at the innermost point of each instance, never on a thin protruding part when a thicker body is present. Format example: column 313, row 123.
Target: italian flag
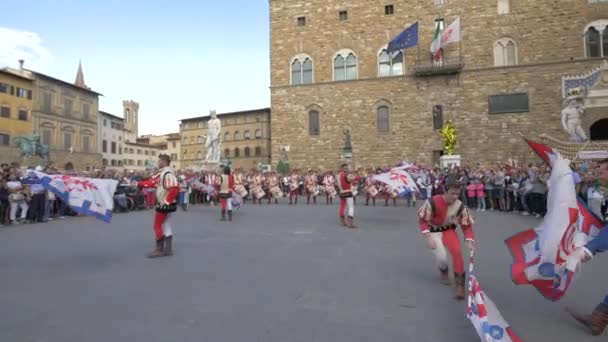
column 436, row 44
column 441, row 38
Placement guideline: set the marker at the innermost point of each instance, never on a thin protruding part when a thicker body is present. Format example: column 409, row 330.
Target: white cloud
column 16, row 44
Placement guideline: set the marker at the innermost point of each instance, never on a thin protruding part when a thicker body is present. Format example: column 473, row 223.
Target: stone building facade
column 170, row 144
column 66, row 117
column 245, row 137
column 111, row 140
column 137, row 155
column 508, row 75
column 16, row 93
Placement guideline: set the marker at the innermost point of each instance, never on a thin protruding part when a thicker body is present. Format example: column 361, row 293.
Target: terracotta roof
column 15, row 73
column 111, row 115
column 73, row 86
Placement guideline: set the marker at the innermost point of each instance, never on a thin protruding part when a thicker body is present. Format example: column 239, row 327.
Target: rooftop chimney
column 21, row 64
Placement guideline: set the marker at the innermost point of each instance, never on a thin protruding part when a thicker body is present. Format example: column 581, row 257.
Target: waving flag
column 406, row 39
column 87, row 196
column 399, row 180
column 442, row 38
column 545, row 257
column 485, row 317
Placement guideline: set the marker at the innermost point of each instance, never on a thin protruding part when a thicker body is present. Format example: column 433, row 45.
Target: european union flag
column 406, row 39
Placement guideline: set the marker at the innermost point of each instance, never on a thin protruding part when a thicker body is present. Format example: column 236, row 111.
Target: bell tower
column 131, row 114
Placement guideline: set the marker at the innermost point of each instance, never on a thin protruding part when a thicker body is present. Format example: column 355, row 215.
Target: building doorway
column 599, row 130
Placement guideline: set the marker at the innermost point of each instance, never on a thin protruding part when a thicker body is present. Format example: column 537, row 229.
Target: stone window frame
column 384, row 48
column 258, row 151
column 247, row 134
column 344, row 53
column 226, row 152
column 247, row 152
column 258, row 133
column 301, row 58
column 308, row 110
column 503, row 6
column 502, row 43
column 227, row 136
column 377, row 106
column 599, row 25
column 6, row 137
column 237, row 135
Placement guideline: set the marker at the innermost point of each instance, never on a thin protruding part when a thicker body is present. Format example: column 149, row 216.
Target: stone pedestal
column 347, row 156
column 449, row 161
column 210, row 166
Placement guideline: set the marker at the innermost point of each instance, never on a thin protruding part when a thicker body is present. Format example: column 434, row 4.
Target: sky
column 178, row 59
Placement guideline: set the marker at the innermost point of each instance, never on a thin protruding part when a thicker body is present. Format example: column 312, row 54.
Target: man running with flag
column 438, row 219
column 598, row 319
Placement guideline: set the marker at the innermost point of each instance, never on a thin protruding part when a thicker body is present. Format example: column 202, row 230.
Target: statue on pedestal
column 347, row 142
column 212, row 143
column 571, row 116
column 31, row 146
column 448, row 133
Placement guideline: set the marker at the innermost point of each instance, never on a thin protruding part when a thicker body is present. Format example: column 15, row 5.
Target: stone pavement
column 275, row 274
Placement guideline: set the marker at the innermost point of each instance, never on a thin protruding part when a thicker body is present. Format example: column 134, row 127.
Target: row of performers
column 271, row 186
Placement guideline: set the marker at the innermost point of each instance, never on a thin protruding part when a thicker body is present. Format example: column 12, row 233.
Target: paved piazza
column 277, row 273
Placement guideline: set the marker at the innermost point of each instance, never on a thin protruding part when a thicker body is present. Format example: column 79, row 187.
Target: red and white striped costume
column 167, row 190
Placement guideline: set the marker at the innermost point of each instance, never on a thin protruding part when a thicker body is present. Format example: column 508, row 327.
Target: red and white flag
column 485, row 317
column 545, row 256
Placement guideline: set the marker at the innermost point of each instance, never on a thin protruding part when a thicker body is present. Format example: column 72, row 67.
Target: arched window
column 104, row 162
column 301, row 70
column 505, row 52
column 199, row 155
column 345, row 66
column 382, row 118
column 247, row 152
column 258, row 151
column 596, row 39
column 226, row 136
column 247, row 134
column 313, row 123
column 200, row 139
column 258, row 133
column 237, row 135
column 237, row 152
column 390, row 64
column 226, row 152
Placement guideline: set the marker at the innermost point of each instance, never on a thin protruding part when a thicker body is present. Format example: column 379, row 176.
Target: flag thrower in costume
column 439, row 218
column 547, row 256
column 167, row 190
column 485, row 317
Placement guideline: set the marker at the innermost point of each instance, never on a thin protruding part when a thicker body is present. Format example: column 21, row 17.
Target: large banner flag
column 545, row 257
column 399, row 180
column 87, row 196
column 406, row 39
column 485, row 317
column 444, row 37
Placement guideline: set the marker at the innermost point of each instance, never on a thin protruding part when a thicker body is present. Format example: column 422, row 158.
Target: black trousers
column 36, row 210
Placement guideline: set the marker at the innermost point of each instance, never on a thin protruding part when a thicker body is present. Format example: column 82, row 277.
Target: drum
column 240, row 189
column 276, row 192
column 312, row 189
column 236, row 201
column 331, row 191
column 258, row 192
column 372, row 191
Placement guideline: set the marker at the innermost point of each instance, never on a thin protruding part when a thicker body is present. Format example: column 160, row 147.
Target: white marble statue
column 571, row 119
column 212, row 143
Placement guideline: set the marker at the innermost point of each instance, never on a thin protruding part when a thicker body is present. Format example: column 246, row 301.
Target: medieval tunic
column 435, row 217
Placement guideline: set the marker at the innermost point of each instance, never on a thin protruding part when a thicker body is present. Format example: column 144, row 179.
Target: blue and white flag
column 87, row 196
column 406, row 39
